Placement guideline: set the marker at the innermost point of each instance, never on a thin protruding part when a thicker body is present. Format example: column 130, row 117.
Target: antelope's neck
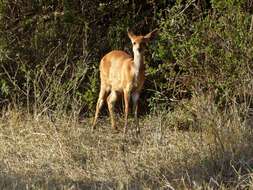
column 138, row 62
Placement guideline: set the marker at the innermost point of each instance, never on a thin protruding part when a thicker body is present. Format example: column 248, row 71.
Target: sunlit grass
column 214, row 151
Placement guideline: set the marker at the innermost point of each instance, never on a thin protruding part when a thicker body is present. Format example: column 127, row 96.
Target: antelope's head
column 139, row 42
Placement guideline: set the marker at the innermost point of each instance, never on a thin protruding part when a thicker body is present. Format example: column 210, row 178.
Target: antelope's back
column 112, row 67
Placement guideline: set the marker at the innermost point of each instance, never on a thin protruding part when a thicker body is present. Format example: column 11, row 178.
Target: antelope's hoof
column 125, row 131
column 116, row 130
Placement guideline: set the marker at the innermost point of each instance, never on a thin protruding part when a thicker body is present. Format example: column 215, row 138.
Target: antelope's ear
column 130, row 34
column 151, row 35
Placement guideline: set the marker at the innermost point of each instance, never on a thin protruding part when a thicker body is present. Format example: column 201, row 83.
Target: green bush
column 50, row 51
column 209, row 55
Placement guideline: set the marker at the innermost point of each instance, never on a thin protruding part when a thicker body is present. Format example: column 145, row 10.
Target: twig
column 251, row 25
column 12, row 81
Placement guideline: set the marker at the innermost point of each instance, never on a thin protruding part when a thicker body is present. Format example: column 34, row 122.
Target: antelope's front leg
column 135, row 98
column 126, row 100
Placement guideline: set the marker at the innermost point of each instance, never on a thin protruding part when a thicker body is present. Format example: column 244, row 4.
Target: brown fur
column 119, row 72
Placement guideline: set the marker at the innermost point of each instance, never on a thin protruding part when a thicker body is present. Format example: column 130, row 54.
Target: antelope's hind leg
column 111, row 102
column 100, row 102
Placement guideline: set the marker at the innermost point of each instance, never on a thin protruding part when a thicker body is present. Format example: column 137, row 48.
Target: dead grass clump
column 64, row 154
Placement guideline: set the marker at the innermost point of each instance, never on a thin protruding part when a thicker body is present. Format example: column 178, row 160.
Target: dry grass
column 215, row 152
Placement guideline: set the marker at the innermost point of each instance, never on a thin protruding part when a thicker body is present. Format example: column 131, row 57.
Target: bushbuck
column 121, row 73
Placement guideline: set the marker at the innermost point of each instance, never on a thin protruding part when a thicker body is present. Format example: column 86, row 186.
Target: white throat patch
column 138, row 58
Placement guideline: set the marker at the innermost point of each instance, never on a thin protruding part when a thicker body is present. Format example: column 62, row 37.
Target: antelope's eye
column 134, row 43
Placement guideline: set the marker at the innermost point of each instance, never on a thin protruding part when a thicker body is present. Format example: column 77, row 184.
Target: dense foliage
column 196, row 132
column 50, row 50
